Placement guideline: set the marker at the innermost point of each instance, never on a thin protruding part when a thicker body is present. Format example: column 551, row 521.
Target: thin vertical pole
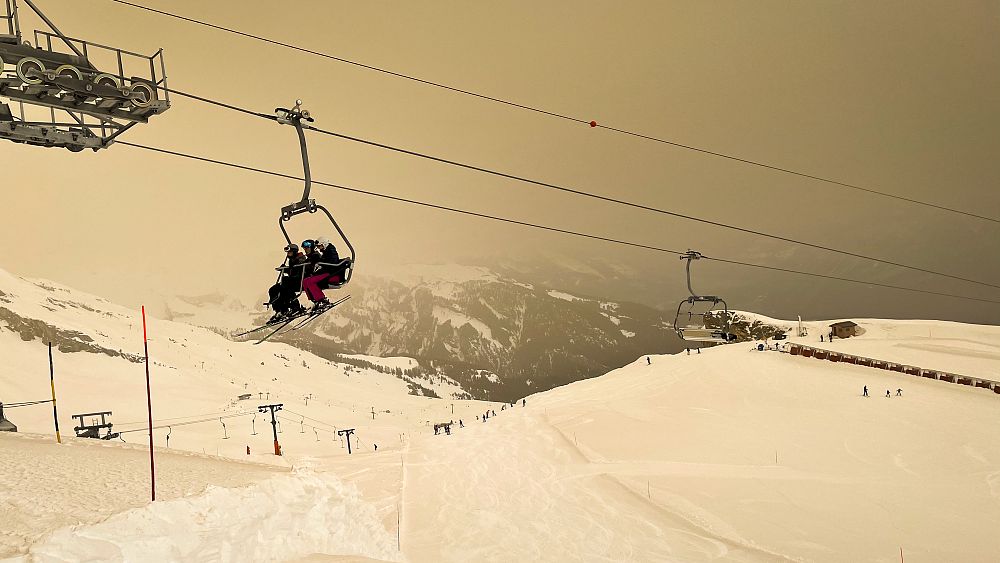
column 149, row 407
column 52, row 382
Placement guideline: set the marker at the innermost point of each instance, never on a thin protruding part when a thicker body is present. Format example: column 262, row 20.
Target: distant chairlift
column 72, row 102
column 294, row 118
column 697, row 314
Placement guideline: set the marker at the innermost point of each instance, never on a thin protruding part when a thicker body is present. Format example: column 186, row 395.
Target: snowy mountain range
column 499, row 338
column 470, row 332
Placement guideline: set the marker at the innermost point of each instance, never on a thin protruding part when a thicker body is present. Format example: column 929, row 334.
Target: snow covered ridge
column 282, row 518
column 73, row 321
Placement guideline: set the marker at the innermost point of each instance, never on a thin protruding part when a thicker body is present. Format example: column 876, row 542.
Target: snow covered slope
column 197, row 377
column 727, row 455
column 966, row 349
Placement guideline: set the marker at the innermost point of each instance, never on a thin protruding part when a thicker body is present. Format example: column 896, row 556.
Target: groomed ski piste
column 727, row 455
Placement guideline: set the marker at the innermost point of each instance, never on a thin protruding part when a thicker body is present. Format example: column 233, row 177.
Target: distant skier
column 688, row 351
column 504, row 407
column 494, row 413
column 821, row 338
column 698, row 350
column 376, row 446
column 887, row 393
column 899, row 392
column 460, row 423
column 865, row 393
column 523, row 402
column 648, row 361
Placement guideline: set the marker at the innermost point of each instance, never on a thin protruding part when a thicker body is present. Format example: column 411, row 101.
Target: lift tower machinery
column 70, row 93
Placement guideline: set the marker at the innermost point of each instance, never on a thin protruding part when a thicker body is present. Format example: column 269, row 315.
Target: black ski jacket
column 293, row 271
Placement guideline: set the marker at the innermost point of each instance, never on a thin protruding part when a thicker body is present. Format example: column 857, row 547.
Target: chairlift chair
column 696, row 328
column 294, row 117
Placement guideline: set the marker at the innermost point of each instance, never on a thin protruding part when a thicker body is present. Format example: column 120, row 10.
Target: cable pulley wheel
column 142, row 94
column 69, row 71
column 32, row 65
column 105, row 79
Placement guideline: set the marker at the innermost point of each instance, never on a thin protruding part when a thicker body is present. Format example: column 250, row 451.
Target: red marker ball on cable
column 593, row 124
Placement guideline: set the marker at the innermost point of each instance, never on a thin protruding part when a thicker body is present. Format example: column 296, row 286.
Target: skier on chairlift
column 326, row 270
column 283, row 296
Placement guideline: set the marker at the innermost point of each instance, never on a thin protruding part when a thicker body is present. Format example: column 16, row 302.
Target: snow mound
column 283, row 517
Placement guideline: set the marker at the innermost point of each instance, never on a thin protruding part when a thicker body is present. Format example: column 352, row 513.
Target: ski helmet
column 307, row 244
column 292, row 248
column 323, row 241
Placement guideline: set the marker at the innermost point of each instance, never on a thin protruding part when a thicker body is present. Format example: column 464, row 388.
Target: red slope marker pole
column 149, row 407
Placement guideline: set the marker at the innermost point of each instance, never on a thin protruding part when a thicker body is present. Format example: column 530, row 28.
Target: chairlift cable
column 24, row 404
column 644, row 207
column 590, row 122
column 312, row 419
column 545, row 227
column 600, row 197
column 174, row 418
column 216, row 103
column 213, row 419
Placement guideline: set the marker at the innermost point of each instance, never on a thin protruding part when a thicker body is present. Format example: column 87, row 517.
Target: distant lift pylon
column 696, row 323
column 294, row 118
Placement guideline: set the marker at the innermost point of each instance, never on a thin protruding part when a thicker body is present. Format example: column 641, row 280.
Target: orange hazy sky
column 900, row 96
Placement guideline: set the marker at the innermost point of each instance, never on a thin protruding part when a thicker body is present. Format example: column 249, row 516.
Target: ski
column 314, row 316
column 267, row 326
column 258, row 329
column 282, row 324
column 309, row 318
